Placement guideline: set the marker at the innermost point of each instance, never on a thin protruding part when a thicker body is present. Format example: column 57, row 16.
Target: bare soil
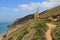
column 48, row 33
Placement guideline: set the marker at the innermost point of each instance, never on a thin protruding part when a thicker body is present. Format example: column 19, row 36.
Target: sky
column 10, row 10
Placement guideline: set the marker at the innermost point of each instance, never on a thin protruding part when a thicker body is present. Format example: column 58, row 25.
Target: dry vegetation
column 34, row 30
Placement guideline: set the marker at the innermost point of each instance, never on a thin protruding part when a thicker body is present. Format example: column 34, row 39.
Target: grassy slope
column 56, row 33
column 53, row 11
column 40, row 27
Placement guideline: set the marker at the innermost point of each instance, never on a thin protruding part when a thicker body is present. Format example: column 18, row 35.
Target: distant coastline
column 3, row 28
column 1, row 35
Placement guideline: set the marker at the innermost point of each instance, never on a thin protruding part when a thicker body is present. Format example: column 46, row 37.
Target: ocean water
column 3, row 27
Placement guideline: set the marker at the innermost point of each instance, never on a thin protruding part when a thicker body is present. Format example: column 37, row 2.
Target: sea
column 3, row 28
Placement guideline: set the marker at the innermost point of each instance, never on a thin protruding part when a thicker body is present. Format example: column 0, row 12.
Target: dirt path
column 48, row 33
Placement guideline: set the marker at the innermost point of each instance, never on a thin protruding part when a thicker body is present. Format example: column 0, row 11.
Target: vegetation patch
column 22, row 34
column 56, row 33
column 41, row 28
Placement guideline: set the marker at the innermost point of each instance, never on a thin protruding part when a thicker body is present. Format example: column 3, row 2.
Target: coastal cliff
column 27, row 29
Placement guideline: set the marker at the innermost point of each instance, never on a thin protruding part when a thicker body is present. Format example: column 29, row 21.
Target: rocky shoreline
column 1, row 35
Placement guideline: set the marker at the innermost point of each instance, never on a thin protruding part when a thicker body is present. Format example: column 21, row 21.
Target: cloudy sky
column 13, row 9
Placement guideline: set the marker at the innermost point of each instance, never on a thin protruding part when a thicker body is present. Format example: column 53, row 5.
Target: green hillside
column 37, row 29
column 44, row 14
column 27, row 29
column 56, row 33
column 50, row 12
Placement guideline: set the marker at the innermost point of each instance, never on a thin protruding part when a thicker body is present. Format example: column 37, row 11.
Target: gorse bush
column 41, row 28
column 56, row 33
column 38, row 36
column 48, row 20
column 22, row 34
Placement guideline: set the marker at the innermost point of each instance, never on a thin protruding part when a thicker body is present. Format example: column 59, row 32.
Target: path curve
column 48, row 33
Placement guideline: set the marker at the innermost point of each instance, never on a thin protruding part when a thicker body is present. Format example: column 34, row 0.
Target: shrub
column 56, row 33
column 41, row 27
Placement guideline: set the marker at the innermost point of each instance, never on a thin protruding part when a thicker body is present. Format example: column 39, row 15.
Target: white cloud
column 15, row 9
column 47, row 4
column 55, row 1
column 23, row 6
column 44, row 4
column 30, row 6
column 11, row 9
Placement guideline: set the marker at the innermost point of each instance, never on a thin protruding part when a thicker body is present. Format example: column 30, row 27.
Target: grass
column 51, row 21
column 22, row 34
column 56, row 33
column 41, row 28
column 38, row 36
column 50, row 12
